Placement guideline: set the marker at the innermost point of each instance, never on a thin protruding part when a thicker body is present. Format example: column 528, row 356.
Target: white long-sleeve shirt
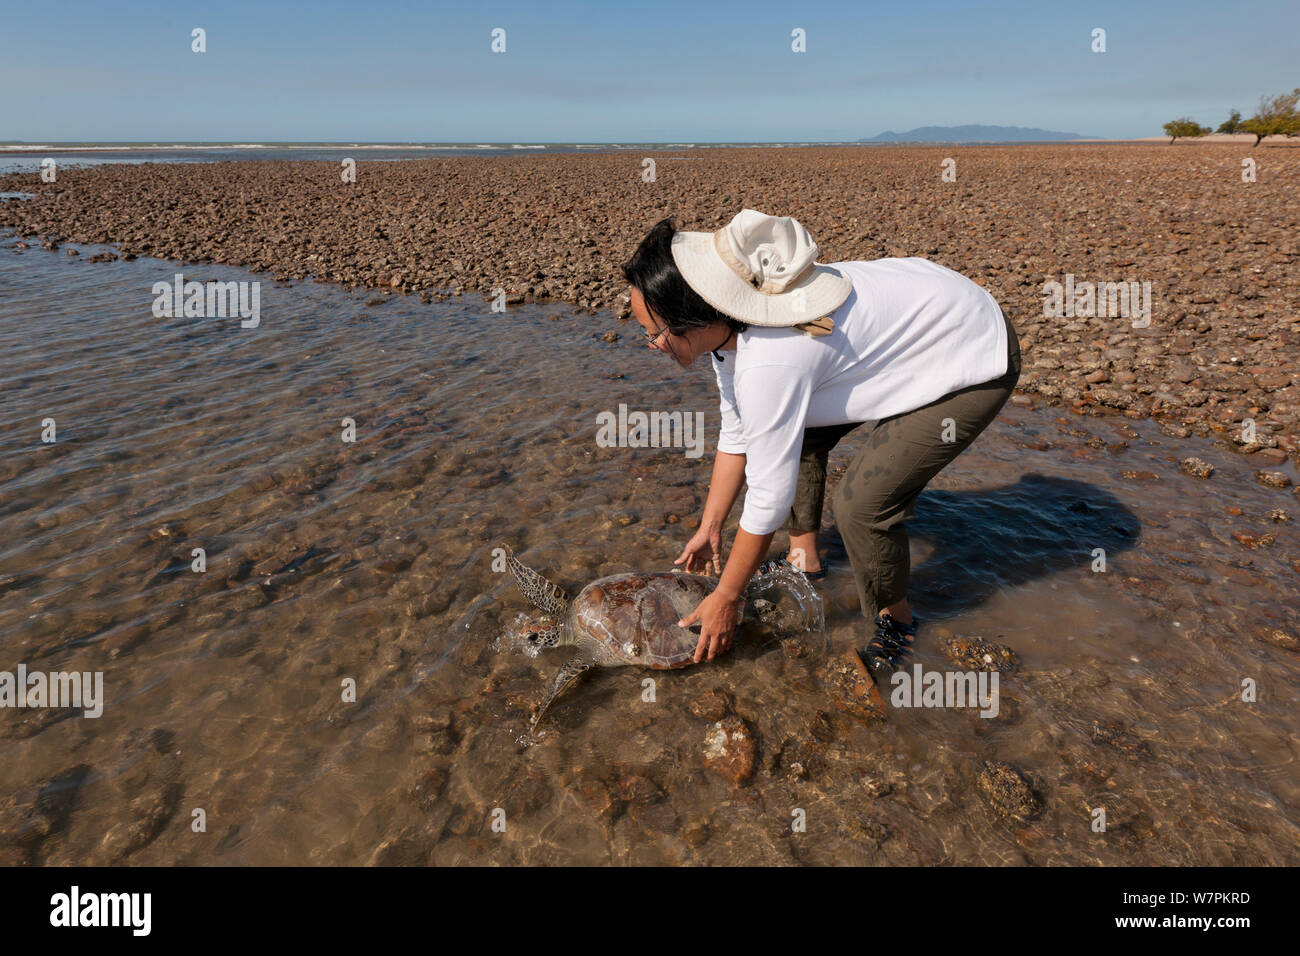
column 910, row 332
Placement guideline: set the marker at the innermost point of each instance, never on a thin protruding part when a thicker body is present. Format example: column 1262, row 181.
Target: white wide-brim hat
column 760, row 269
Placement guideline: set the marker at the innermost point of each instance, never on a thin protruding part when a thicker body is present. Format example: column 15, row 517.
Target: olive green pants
column 878, row 492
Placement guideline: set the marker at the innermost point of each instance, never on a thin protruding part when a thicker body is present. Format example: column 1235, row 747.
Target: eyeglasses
column 652, row 341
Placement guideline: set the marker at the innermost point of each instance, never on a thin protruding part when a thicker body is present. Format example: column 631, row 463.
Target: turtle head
column 535, row 631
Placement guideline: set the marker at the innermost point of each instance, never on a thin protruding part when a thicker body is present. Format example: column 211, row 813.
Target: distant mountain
column 973, row 134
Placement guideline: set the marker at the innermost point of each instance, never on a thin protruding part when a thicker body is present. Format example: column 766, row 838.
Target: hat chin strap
column 730, row 333
column 722, row 245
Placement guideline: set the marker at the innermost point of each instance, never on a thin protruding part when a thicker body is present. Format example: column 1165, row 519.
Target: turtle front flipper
column 541, row 592
column 779, row 574
column 569, row 673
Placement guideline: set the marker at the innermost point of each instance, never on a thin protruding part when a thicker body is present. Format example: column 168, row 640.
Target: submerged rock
column 1008, row 792
column 851, row 688
column 730, row 750
column 34, row 814
column 1116, row 734
column 597, row 798
column 794, row 647
column 976, row 654
column 1272, row 479
column 1270, row 456
column 1278, row 636
column 1196, row 467
column 712, row 705
column 1254, row 541
column 696, row 833
column 150, row 791
column 638, row 790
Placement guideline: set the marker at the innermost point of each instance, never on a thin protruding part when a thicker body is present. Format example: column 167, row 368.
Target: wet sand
column 372, row 561
column 1220, row 254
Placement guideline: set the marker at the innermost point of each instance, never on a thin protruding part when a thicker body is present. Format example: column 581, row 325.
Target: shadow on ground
column 992, row 539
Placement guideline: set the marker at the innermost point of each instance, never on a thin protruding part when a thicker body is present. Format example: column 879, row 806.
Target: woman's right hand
column 703, row 553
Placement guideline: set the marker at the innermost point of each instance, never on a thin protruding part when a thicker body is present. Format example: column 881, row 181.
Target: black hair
column 652, row 270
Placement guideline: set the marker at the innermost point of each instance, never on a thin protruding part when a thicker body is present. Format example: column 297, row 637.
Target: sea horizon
column 18, row 156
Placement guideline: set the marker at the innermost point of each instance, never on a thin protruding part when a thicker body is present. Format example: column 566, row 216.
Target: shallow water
column 373, row 561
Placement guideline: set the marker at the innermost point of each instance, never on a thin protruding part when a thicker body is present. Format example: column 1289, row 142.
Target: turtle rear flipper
column 568, row 674
column 541, row 592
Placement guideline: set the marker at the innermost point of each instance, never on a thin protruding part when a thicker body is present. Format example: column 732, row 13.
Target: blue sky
column 610, row 71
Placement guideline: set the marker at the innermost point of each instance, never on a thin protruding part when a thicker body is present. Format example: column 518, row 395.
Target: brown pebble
column 730, row 750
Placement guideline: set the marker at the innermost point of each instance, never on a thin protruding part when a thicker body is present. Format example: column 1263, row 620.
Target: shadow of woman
column 992, row 539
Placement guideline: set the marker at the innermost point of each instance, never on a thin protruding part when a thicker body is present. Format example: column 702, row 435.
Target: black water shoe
column 887, row 651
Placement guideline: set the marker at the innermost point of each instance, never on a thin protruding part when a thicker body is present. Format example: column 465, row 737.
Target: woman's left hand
column 717, row 615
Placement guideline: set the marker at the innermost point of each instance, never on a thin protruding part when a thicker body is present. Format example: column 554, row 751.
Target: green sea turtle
column 631, row 619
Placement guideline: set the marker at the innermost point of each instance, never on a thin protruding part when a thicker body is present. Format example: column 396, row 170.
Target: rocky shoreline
column 1220, row 254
